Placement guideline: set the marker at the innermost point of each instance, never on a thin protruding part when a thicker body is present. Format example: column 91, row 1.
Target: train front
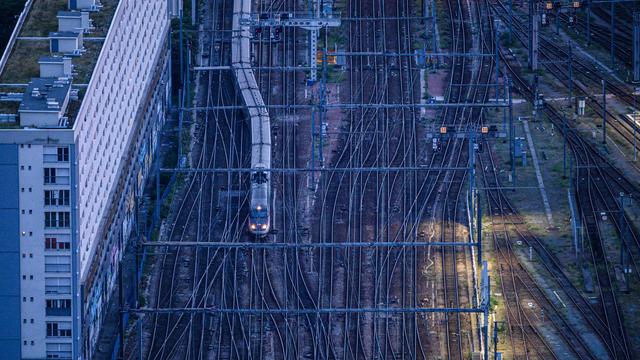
column 259, row 214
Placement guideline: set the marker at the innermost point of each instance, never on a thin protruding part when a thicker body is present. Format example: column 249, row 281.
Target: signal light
column 485, row 130
column 443, row 130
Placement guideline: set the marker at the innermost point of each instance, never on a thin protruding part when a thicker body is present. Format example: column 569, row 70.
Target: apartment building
column 74, row 152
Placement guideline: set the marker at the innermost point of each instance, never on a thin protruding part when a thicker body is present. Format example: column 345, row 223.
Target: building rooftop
column 64, row 34
column 72, row 14
column 45, row 94
column 51, row 59
column 41, row 22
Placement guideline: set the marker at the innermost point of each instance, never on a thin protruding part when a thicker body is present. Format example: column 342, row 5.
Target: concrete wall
column 32, row 246
column 110, row 128
column 39, row 118
column 56, row 70
column 75, row 24
column 105, row 120
column 9, row 254
column 81, row 4
column 35, row 274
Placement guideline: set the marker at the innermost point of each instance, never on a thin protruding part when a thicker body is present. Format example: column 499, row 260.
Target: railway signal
column 313, row 24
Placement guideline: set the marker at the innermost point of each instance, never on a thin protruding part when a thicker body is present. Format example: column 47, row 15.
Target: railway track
column 601, row 32
column 517, row 284
column 613, row 334
column 207, row 211
column 585, row 79
column 349, row 206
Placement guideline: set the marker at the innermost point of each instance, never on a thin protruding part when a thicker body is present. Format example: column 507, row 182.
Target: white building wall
column 33, row 159
column 105, row 120
column 31, row 179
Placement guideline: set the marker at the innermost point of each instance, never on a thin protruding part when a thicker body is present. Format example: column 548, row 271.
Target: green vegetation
column 87, row 62
column 444, row 25
column 7, row 107
column 102, row 19
column 23, row 62
column 42, row 18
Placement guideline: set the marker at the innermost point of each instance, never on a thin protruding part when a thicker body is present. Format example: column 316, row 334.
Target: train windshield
column 259, row 211
column 259, row 177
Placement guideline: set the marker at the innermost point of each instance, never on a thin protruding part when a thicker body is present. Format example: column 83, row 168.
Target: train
column 260, row 189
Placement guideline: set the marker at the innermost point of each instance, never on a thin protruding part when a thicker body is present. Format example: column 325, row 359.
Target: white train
column 260, row 196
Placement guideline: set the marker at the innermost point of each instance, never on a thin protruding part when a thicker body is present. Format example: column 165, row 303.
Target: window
column 58, row 307
column 57, row 242
column 57, row 176
column 57, row 286
column 49, row 175
column 59, row 351
column 63, row 154
column 56, row 197
column 57, row 219
column 57, row 263
column 59, row 329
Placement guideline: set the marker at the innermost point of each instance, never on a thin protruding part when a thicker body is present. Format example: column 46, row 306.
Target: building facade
column 71, row 187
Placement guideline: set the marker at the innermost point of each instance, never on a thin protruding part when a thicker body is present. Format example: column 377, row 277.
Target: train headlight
column 264, row 226
column 258, row 207
column 252, row 226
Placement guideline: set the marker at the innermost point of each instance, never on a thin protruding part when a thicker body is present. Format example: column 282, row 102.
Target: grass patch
column 85, row 64
column 42, row 18
column 23, row 62
column 102, row 19
column 9, row 107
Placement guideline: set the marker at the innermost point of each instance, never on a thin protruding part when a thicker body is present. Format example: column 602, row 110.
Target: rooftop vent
column 52, row 104
column 63, row 122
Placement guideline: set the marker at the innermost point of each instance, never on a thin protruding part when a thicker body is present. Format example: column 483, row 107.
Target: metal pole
column 313, row 146
column 472, row 154
column 181, row 55
column 510, row 21
column 613, row 33
column 531, row 31
column 433, row 17
column 479, row 224
column 180, row 117
column 511, row 132
column 323, row 101
column 564, row 146
column 535, row 98
column 497, row 56
column 495, row 340
column 194, row 3
column 486, row 324
column 636, row 47
column 588, row 24
column 504, row 111
column 604, row 112
column 623, row 238
column 156, row 214
column 570, row 76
